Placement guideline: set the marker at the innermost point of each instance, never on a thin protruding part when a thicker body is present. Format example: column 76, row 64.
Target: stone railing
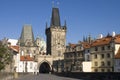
column 6, row 76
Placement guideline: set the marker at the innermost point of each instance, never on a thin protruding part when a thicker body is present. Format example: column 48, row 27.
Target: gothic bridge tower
column 56, row 35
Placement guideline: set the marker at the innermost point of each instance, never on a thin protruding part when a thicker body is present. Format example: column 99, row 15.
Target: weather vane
column 57, row 4
column 52, row 3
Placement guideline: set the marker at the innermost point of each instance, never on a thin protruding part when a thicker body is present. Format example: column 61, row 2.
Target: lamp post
column 15, row 73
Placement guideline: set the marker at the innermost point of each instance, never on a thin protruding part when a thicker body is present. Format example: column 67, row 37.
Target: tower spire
column 52, row 3
column 27, row 34
column 65, row 24
column 55, row 19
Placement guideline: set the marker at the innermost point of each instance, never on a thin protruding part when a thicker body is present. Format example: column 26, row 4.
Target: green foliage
column 5, row 56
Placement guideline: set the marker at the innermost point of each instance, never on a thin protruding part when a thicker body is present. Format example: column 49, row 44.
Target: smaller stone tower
column 27, row 43
column 27, row 37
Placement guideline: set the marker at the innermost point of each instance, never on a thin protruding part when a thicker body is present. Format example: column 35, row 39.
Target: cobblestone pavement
column 44, row 77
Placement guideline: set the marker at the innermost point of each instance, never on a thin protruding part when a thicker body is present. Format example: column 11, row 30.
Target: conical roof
column 27, row 34
column 55, row 19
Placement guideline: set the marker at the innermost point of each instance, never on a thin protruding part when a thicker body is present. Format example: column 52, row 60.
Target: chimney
column 113, row 34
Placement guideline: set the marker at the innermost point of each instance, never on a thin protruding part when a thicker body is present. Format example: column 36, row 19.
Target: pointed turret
column 84, row 40
column 65, row 25
column 26, row 35
column 55, row 19
column 89, row 38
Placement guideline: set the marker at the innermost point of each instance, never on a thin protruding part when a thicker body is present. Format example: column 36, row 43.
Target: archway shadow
column 44, row 68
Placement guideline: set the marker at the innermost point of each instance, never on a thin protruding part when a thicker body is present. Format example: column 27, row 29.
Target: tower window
column 38, row 43
column 34, row 51
column 59, row 53
column 28, row 51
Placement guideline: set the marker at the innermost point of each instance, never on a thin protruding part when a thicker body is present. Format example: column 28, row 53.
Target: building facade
column 103, row 53
column 73, row 57
column 117, row 62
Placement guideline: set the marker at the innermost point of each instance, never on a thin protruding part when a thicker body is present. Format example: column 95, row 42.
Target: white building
column 117, row 62
column 12, row 42
column 87, row 66
column 26, row 64
column 23, row 63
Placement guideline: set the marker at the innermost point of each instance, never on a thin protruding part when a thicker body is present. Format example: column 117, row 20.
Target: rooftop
column 26, row 58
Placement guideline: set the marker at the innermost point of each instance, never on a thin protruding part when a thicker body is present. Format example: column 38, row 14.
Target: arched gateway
column 44, row 63
column 56, row 44
column 44, row 68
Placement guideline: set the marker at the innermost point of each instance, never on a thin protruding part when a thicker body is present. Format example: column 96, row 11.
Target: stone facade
column 56, row 35
column 103, row 52
column 99, row 55
column 74, row 56
column 56, row 42
column 102, row 60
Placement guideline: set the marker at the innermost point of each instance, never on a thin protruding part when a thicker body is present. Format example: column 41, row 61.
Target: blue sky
column 83, row 17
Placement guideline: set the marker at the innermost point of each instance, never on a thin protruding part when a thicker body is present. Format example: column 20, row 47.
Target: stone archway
column 44, row 68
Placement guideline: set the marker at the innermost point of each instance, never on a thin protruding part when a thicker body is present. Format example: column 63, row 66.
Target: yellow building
column 103, row 51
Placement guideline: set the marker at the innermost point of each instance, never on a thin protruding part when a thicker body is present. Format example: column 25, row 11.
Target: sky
column 83, row 17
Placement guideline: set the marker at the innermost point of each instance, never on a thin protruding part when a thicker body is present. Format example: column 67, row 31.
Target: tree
column 5, row 56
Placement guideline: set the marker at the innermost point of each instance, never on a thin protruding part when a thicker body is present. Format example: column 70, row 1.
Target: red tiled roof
column 117, row 38
column 102, row 41
column 106, row 40
column 72, row 45
column 26, row 58
column 117, row 56
column 14, row 48
column 86, row 44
